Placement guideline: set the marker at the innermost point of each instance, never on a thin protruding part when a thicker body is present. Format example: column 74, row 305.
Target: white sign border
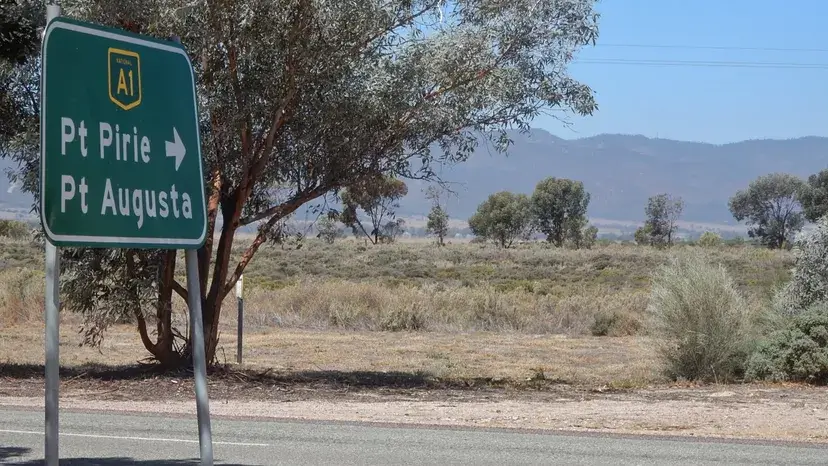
column 114, row 240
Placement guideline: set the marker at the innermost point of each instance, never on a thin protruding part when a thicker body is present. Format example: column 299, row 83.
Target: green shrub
column 703, row 326
column 710, row 239
column 642, row 236
column 797, row 353
column 809, row 278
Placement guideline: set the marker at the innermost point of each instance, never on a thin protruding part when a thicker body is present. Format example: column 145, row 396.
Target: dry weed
column 22, row 296
column 531, row 289
column 316, row 304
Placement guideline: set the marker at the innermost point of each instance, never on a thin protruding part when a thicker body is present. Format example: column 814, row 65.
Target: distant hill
column 620, row 171
column 13, row 202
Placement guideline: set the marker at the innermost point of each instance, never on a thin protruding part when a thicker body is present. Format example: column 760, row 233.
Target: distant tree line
column 557, row 208
column 369, row 211
column 775, row 207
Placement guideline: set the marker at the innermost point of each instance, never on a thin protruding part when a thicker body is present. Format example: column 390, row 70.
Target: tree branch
column 279, row 119
column 33, row 99
column 276, row 213
column 481, row 74
column 165, row 294
column 244, row 132
column 180, row 290
column 139, row 316
column 361, row 227
column 403, row 21
column 212, row 215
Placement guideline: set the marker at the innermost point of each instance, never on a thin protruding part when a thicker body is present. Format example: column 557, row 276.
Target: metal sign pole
column 52, row 353
column 205, row 435
column 199, row 359
column 240, row 329
column 52, row 375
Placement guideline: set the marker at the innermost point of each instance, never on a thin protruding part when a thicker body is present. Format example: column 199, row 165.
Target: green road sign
column 120, row 147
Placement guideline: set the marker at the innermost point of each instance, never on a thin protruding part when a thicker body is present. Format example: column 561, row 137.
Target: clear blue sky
column 706, row 103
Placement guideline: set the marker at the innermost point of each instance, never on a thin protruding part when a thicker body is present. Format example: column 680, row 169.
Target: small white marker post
column 52, row 375
column 240, row 325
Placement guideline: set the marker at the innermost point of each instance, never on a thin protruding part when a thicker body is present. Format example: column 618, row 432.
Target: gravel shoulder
column 759, row 412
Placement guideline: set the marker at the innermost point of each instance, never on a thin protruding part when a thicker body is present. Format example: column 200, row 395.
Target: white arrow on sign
column 176, row 149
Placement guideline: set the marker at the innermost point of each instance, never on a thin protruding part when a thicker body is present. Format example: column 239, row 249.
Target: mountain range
column 622, row 171
column 619, row 171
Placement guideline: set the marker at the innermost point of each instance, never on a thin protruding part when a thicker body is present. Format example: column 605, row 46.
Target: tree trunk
column 163, row 349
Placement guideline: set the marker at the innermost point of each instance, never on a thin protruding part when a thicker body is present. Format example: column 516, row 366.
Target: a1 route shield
column 120, row 147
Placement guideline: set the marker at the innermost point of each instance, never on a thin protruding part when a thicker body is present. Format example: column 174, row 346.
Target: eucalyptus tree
column 300, row 98
column 813, row 196
column 560, row 208
column 503, row 218
column 663, row 212
column 770, row 206
column 378, row 197
column 437, row 222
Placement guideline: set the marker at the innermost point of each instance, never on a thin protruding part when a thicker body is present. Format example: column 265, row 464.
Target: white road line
column 143, row 439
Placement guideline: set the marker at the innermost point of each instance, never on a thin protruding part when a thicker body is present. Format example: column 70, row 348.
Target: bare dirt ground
column 506, row 358
column 475, row 380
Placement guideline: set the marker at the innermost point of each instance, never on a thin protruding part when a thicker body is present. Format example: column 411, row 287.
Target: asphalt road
column 152, row 440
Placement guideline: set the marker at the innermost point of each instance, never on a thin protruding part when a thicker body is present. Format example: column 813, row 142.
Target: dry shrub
column 616, row 323
column 22, row 296
column 704, row 326
column 415, row 286
column 364, row 306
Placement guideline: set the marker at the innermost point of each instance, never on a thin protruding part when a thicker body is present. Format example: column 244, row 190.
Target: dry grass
column 543, row 269
column 592, row 361
column 583, row 360
column 461, row 311
column 317, row 304
column 22, row 296
column 418, row 287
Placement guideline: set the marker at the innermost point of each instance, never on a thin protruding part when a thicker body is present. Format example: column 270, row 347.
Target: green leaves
column 503, row 218
column 19, row 24
column 557, row 208
column 809, row 277
column 662, row 214
column 560, row 207
column 814, row 196
column 378, row 198
column 798, row 352
column 437, row 223
column 770, row 204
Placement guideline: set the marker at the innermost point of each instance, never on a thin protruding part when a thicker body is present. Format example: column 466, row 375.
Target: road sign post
column 52, row 337
column 120, row 168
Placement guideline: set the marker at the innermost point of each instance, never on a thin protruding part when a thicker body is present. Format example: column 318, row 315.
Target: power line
column 713, row 47
column 701, row 63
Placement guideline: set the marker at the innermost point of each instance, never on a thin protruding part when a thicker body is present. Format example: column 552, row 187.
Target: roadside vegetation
column 330, row 107
column 412, row 288
column 706, row 311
